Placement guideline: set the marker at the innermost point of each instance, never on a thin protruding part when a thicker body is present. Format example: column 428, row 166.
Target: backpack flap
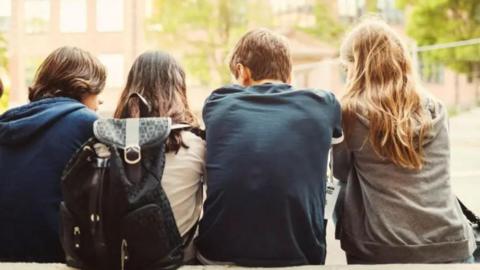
column 133, row 134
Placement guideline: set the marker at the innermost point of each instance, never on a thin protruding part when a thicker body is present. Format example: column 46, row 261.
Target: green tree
column 442, row 21
column 205, row 31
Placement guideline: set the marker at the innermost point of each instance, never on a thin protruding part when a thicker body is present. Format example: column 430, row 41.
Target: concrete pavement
column 34, row 266
column 465, row 162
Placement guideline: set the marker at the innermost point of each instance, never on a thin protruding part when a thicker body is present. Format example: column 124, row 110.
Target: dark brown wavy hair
column 157, row 79
column 68, row 72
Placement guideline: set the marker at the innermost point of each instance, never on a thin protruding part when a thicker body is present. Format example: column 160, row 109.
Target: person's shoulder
column 196, row 146
column 83, row 115
column 190, row 138
column 220, row 95
column 324, row 96
column 226, row 90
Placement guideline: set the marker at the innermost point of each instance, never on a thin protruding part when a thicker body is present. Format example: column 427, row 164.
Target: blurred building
column 114, row 30
column 110, row 29
column 322, row 70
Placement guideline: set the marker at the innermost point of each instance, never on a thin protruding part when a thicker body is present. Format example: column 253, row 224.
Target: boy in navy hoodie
column 36, row 142
column 267, row 150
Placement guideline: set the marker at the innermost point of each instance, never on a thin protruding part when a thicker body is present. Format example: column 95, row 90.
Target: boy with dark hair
column 267, row 151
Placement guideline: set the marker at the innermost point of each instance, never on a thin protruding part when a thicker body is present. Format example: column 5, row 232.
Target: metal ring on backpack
column 129, row 149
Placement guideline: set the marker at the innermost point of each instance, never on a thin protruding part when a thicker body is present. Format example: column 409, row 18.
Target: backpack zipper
column 123, row 253
column 76, row 236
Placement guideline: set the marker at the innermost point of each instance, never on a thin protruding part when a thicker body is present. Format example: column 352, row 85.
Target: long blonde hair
column 381, row 86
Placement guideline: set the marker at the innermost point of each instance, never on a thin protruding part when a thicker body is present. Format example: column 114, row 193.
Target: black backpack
column 115, row 214
column 474, row 222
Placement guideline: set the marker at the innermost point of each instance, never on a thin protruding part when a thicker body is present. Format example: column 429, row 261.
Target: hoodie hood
column 434, row 109
column 20, row 124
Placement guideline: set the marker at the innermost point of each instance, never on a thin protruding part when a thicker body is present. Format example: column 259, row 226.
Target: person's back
column 156, row 88
column 399, row 206
column 34, row 148
column 267, row 148
column 36, row 142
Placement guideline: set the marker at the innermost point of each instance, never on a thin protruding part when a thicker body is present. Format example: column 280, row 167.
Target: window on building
column 110, row 15
column 73, row 16
column 37, row 16
column 115, row 69
column 5, row 13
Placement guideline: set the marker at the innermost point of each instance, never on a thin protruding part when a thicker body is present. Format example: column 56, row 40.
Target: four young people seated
column 264, row 161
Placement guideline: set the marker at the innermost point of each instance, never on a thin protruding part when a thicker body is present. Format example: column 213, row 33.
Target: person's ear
column 244, row 75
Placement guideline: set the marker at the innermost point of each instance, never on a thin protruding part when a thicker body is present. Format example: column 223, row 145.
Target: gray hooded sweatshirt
column 395, row 215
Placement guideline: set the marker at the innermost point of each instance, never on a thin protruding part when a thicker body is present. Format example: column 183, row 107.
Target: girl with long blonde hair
column 398, row 205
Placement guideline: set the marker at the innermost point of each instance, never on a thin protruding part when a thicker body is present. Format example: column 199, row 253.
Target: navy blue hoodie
column 36, row 142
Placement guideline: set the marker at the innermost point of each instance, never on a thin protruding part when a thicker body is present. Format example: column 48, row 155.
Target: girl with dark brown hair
column 156, row 88
column 36, row 142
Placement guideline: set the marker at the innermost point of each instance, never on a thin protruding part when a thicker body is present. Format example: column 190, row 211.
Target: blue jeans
column 469, row 260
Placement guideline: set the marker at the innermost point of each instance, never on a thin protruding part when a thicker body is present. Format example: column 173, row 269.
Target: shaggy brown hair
column 68, row 72
column 265, row 53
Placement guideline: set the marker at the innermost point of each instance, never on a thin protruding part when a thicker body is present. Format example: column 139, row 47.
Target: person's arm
column 342, row 161
column 337, row 132
column 340, row 152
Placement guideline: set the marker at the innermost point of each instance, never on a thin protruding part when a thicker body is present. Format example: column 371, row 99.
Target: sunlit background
column 200, row 33
column 443, row 35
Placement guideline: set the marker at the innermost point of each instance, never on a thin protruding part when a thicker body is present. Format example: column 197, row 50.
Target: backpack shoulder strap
column 468, row 213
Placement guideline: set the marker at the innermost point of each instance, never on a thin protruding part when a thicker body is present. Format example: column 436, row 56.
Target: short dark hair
column 68, row 72
column 265, row 53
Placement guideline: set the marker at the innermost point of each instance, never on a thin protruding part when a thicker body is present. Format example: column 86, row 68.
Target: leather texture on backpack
column 116, row 215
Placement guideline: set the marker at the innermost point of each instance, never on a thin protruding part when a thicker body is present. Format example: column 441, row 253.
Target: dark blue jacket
column 267, row 150
column 36, row 142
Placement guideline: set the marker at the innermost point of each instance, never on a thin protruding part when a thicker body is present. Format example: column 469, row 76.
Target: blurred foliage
column 327, row 26
column 3, row 68
column 371, row 5
column 442, row 21
column 4, row 99
column 3, row 51
column 206, row 30
column 203, row 32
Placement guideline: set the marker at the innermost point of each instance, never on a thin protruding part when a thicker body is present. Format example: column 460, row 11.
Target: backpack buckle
column 132, row 154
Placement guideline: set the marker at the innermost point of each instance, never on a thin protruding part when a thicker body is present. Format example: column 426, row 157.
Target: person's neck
column 266, row 81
